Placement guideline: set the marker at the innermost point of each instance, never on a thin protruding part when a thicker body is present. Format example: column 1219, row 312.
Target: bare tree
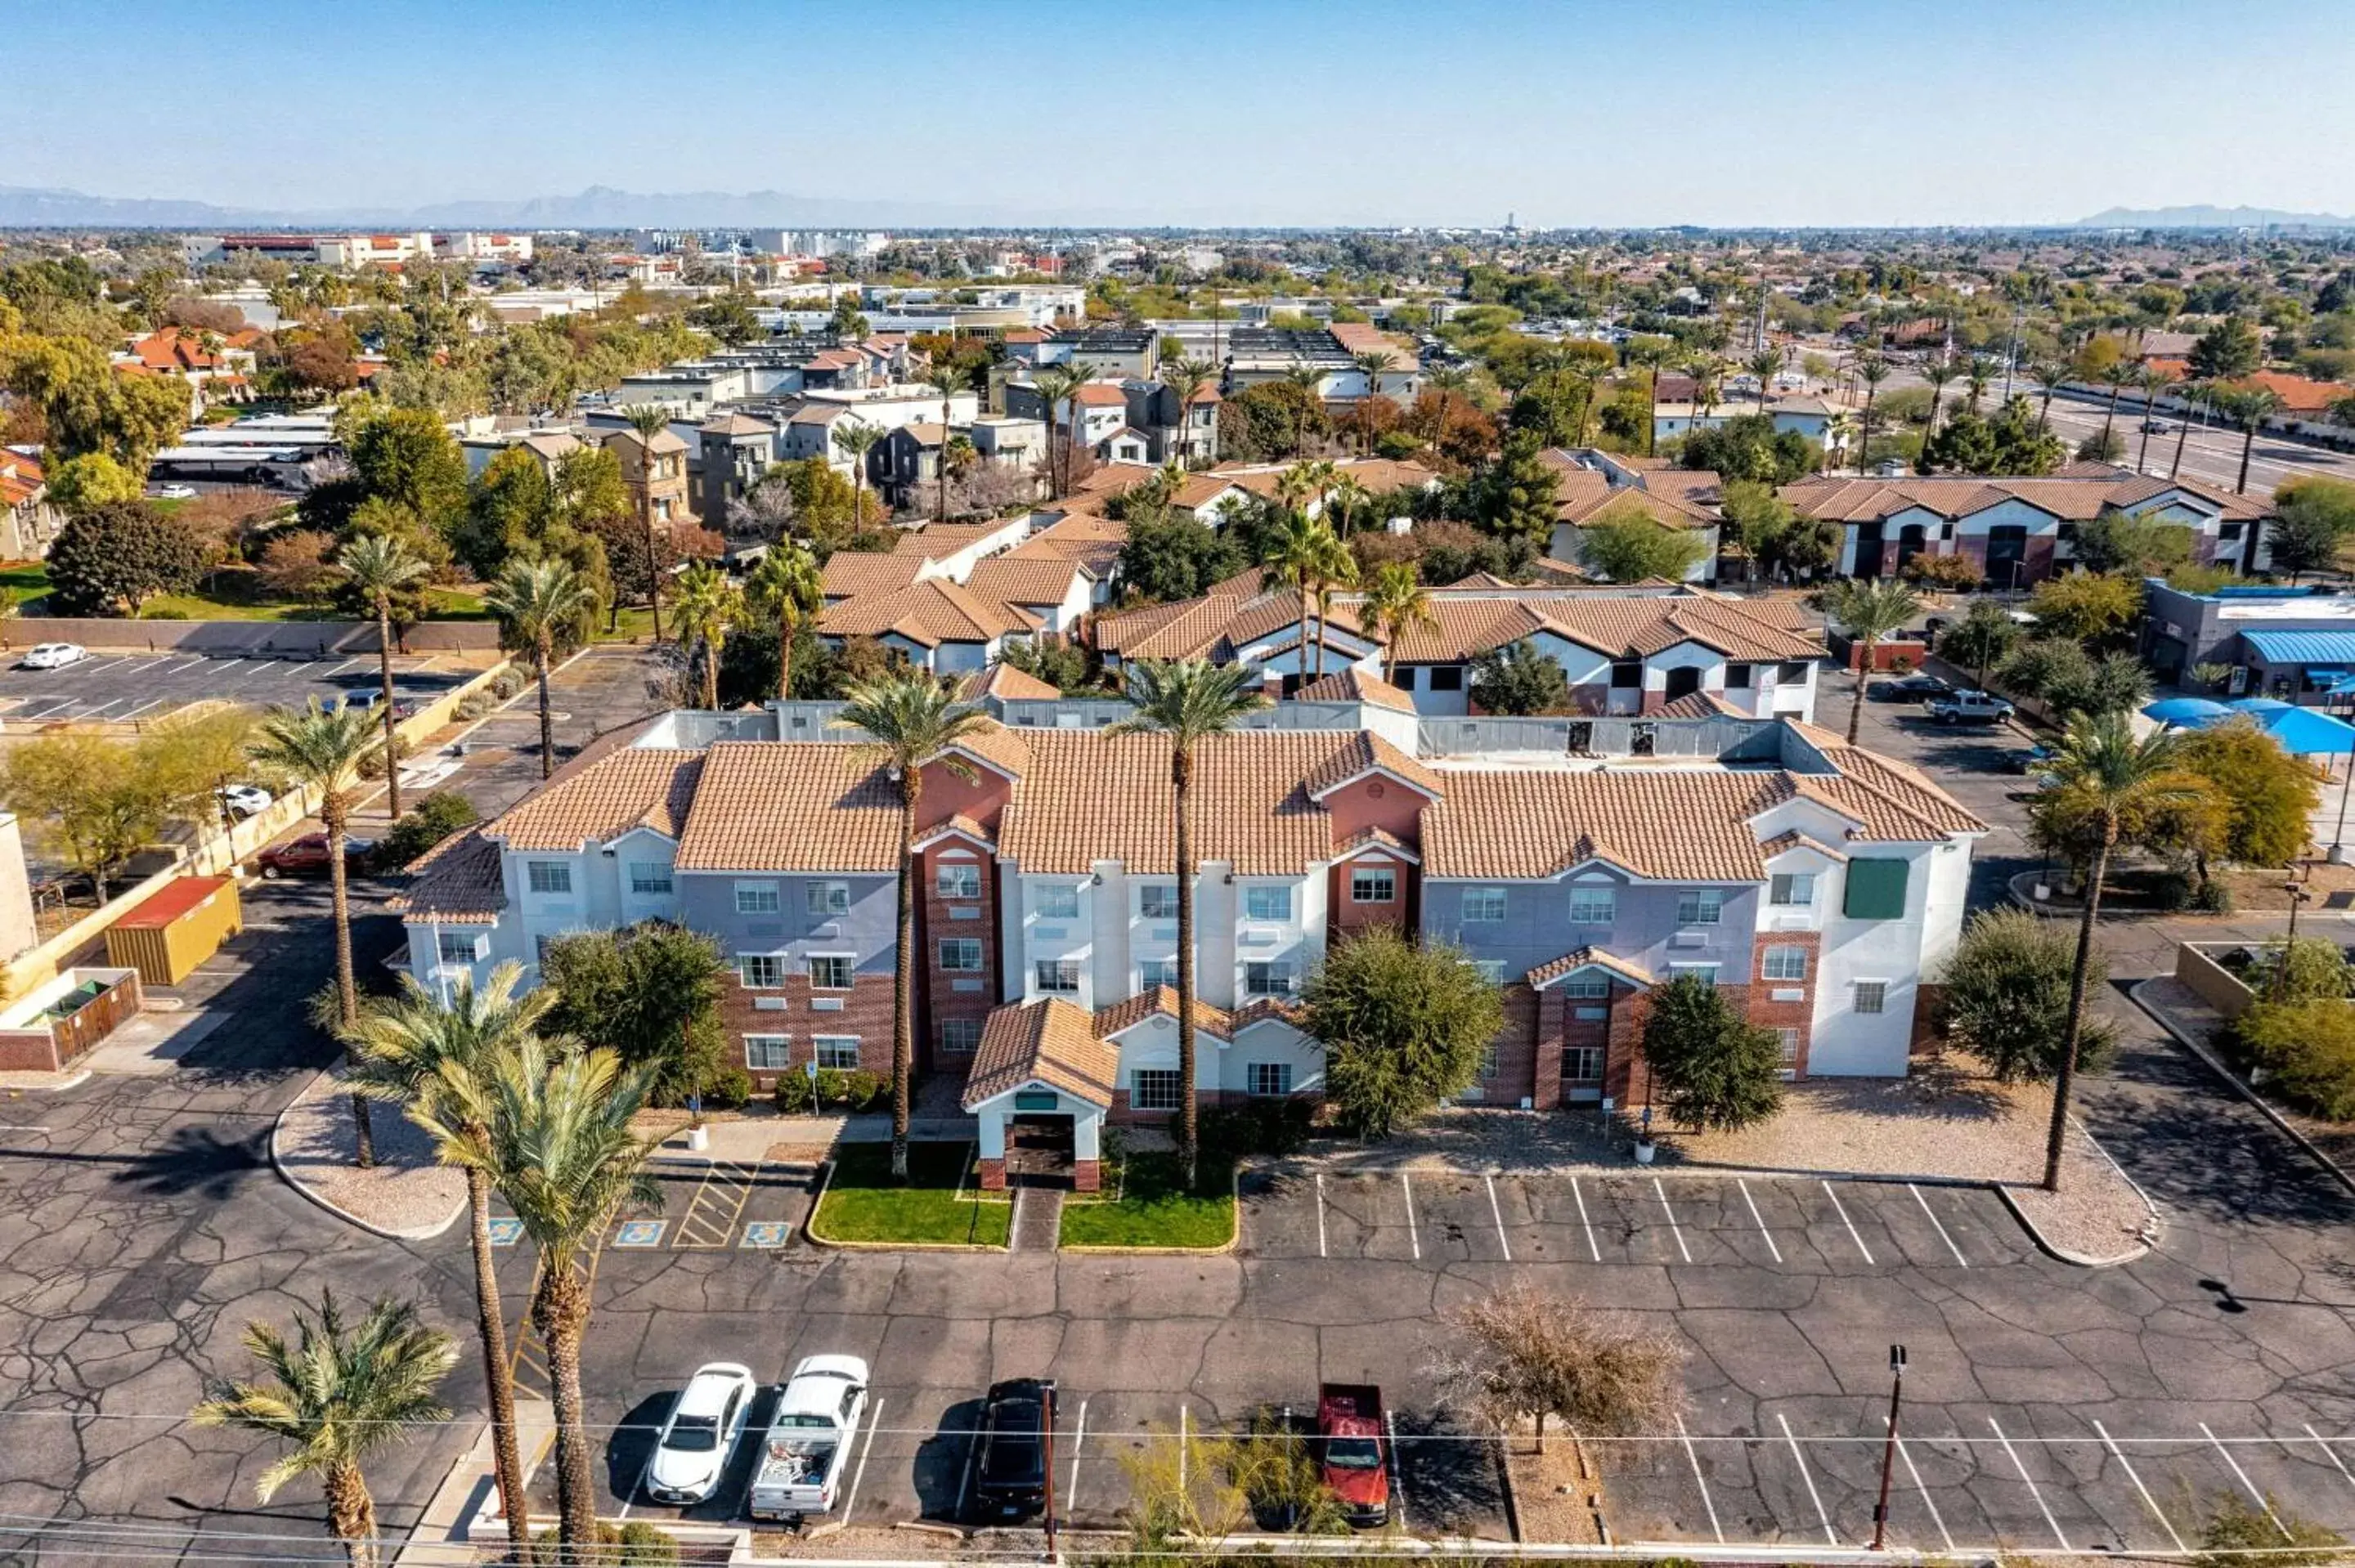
column 1521, row 1354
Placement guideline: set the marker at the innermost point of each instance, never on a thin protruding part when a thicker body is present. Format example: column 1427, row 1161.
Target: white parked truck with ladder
column 809, row 1440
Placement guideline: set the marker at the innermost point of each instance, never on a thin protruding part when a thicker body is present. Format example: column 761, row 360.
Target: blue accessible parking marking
column 641, row 1233
column 506, row 1231
column 768, row 1234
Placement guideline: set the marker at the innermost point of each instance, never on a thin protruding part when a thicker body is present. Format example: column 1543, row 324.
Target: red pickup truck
column 1354, row 1451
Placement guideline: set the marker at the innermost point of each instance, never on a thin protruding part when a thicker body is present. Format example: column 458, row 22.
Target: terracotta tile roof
column 1376, row 838
column 1698, row 705
column 1669, row 824
column 1264, row 1009
column 2134, row 490
column 1099, row 395
column 458, row 882
column 1163, row 1000
column 1027, row 582
column 1615, row 625
column 791, row 805
column 1354, row 686
column 1784, row 842
column 1361, row 752
column 1896, row 799
column 2077, row 494
column 1578, row 958
column 938, row 541
column 1113, row 478
column 1092, row 541
column 1249, row 583
column 1005, row 681
column 928, row 613
column 630, row 787
column 849, row 573
column 1051, row 1041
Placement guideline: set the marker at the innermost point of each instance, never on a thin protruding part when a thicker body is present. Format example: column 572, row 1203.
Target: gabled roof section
column 1589, row 957
column 630, row 787
column 1026, row 582
column 1007, row 683
column 928, row 612
column 1364, row 752
column 849, row 574
column 958, row 826
column 1354, row 686
column 1784, row 842
column 1048, row 1041
column 458, row 882
column 998, row 747
column 1161, row 1000
column 799, row 806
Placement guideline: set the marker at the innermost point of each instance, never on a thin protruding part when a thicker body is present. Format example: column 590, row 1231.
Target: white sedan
column 245, row 800
column 55, row 655
column 695, row 1441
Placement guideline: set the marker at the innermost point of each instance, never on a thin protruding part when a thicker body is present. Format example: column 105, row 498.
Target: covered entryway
column 1039, row 1145
column 2006, row 557
column 1910, row 542
column 1040, row 1084
column 1683, row 682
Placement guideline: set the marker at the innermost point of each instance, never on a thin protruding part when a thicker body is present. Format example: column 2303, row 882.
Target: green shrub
column 471, row 707
column 837, row 1091
column 641, row 1546
column 2237, row 1533
column 434, row 818
column 730, row 1088
column 508, row 682
column 2314, row 967
column 2306, row 1050
column 1273, row 1125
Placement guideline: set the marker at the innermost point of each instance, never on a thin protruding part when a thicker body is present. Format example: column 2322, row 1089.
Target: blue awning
column 2277, row 647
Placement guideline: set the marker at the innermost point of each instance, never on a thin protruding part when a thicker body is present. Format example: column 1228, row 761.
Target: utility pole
column 1053, row 1395
column 2339, row 834
column 2012, row 354
column 1889, row 1446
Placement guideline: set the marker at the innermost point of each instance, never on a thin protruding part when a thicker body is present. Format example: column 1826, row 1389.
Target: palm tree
column 1375, row 363
column 1351, row 499
column 784, row 591
column 1058, row 385
column 1872, row 370
column 561, row 1150
column 2247, row 407
column 337, row 1393
column 1396, row 604
column 1589, row 373
column 2051, row 374
column 1340, row 570
column 1651, row 356
column 2153, row 381
column 1704, row 375
column 2108, row 780
column 539, row 602
column 1764, row 365
column 649, row 421
column 440, row 1058
column 914, row 720
column 2197, row 392
column 1185, row 378
column 319, row 748
column 856, row 438
column 1977, row 372
column 708, row 605
column 1189, row 702
column 380, row 566
column 1445, row 381
column 1310, row 380
column 952, row 379
column 1936, row 373
column 1871, row 611
column 2117, row 375
column 1298, row 554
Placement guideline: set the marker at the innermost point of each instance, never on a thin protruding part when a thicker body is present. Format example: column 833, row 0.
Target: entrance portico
column 1040, row 1084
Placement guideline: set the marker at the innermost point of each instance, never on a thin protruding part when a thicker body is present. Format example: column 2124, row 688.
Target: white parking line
column 2149, row 1501
column 1592, row 1251
column 1959, row 1259
column 1693, row 1457
column 1831, row 1537
column 185, row 664
column 2256, row 1495
column 1773, row 1251
column 1498, row 1215
column 1414, row 1239
column 2324, row 1443
column 143, row 707
column 339, row 669
column 1842, row 1212
column 108, row 664
column 874, row 1420
column 1927, row 1500
column 1320, row 1214
column 1184, row 1442
column 225, row 669
column 1080, row 1435
column 1398, row 1475
column 1683, row 1251
column 2033, row 1490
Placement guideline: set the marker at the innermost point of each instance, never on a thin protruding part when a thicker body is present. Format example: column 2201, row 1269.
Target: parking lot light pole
column 1053, row 1402
column 1889, row 1446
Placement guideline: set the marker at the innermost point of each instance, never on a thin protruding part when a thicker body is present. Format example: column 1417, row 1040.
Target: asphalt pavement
column 145, row 687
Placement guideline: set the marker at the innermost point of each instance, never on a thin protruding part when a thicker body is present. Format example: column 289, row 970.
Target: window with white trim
column 1373, row 884
column 1055, row 903
column 1153, row 1089
column 767, row 1052
column 1587, row 985
column 1583, row 1064
column 1871, row 996
column 1157, row 901
column 828, row 900
column 1705, row 973
column 1490, row 970
column 830, row 971
column 761, row 971
column 1699, row 906
column 457, row 947
column 1267, row 903
column 1268, row 1078
column 960, row 1036
column 1784, row 963
column 1788, row 1039
column 650, row 877
column 957, row 879
column 1269, row 977
column 961, row 955
column 1483, row 904
column 756, row 898
column 1152, row 972
column 1058, row 977
column 839, row 1052
column 548, row 876
column 1792, row 889
column 1594, row 905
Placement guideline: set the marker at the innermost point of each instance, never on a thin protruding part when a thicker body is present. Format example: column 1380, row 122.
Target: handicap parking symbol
column 641, row 1233
column 506, row 1231
column 768, row 1234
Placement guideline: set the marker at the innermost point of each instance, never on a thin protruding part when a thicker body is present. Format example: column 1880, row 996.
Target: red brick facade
column 866, row 1013
column 939, row 920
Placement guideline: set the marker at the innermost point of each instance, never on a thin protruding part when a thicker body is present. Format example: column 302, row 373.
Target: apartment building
column 654, row 471
column 1577, row 862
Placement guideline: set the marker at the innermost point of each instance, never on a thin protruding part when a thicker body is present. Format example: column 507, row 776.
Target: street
column 2211, row 451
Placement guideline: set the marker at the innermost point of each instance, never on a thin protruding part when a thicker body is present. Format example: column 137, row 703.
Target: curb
column 2208, row 1059
column 412, row 1233
column 2050, row 1249
column 1234, row 1233
column 70, row 1081
column 809, row 1229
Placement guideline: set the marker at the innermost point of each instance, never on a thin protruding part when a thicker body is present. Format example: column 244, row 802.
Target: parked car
column 693, row 1450
column 1969, row 708
column 362, row 699
column 1353, row 1451
column 809, row 1440
column 1912, row 688
column 2157, row 428
column 175, row 492
column 53, row 655
column 2028, row 761
column 307, row 856
column 245, row 800
column 1011, row 1479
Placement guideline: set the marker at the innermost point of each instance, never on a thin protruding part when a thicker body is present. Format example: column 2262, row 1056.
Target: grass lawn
column 636, row 623
column 863, row 1203
column 1154, row 1210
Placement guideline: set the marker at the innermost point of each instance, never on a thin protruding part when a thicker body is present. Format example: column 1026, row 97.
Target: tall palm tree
column 380, row 566
column 1340, row 570
column 1059, row 386
column 649, row 421
column 1704, row 375
column 337, row 1393
column 1871, row 611
column 439, row 1059
column 1348, row 499
column 1375, row 363
column 2050, row 374
column 2108, row 780
column 1977, row 372
column 561, row 1150
column 1589, row 374
column 1935, row 374
column 1189, row 702
column 856, row 438
column 2119, row 373
column 1310, row 380
column 1653, row 356
column 1397, row 603
column 1764, row 365
column 2197, row 392
column 1299, row 552
column 1872, row 370
column 913, row 719
column 2247, row 407
column 1445, row 382
column 952, row 379
column 785, row 590
column 2153, row 381
column 540, row 602
column 1185, row 378
column 320, row 747
column 708, row 605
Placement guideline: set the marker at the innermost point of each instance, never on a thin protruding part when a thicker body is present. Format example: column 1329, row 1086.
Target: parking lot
column 143, row 687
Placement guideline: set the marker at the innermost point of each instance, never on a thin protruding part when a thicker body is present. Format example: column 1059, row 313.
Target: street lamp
column 1889, row 1446
column 2298, row 896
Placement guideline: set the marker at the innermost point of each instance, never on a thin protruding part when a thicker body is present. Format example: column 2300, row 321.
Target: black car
column 1912, row 689
column 1010, row 1477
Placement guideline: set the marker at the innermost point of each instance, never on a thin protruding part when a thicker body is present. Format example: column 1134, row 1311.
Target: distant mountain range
column 2211, row 217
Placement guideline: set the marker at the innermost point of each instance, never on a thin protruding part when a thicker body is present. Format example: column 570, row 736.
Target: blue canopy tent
column 2309, row 732
column 2259, row 706
column 2186, row 712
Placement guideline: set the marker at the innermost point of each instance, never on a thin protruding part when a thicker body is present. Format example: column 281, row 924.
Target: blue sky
column 1797, row 111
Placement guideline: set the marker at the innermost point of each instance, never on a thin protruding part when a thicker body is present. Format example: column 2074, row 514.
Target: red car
column 1353, row 1451
column 307, row 856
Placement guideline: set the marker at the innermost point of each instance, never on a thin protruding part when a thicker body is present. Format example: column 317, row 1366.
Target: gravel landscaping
column 408, row 1193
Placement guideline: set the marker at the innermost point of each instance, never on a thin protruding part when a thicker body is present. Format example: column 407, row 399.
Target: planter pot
column 698, row 1138
column 2043, row 891
column 1644, row 1151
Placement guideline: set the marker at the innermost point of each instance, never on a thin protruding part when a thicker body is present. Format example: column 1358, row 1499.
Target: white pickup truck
column 808, row 1441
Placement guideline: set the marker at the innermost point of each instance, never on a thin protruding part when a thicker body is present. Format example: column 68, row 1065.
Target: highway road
column 2210, row 453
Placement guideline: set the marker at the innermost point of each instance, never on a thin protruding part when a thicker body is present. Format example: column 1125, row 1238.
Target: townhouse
column 1594, row 487
column 1814, row 883
column 654, row 471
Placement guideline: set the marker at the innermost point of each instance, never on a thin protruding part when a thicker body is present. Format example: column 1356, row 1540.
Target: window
column 1871, row 996
column 1699, row 906
column 1153, row 1089
column 1737, row 677
column 1056, row 903
column 548, row 876
column 456, row 947
column 1591, row 985
column 2228, row 532
column 957, row 879
column 839, row 1052
column 756, row 898
column 1447, row 677
column 761, row 971
column 828, row 900
column 1792, row 889
column 1268, row 977
column 1595, row 906
column 1789, row 1041
column 1373, row 884
column 1059, row 977
column 1583, row 1064
column 1792, row 673
column 1490, row 970
column 1876, row 890
column 649, row 876
column 961, row 955
column 1705, row 973
column 1269, row 1077
column 1483, row 903
column 1489, row 1059
column 1626, row 672
column 830, row 971
column 960, row 1036
column 1267, row 903
column 1153, row 972
column 1157, row 901
column 1786, row 964
column 766, row 1052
